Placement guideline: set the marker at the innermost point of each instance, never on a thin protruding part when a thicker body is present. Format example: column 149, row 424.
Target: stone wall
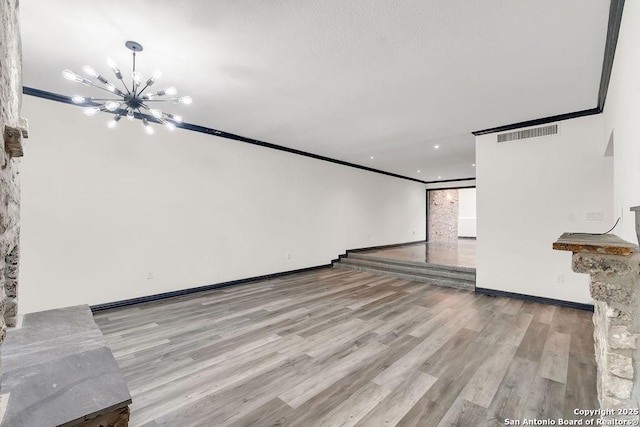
column 10, row 101
column 615, row 288
column 443, row 216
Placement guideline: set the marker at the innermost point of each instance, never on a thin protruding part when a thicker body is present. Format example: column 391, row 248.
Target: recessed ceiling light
column 439, row 177
column 418, row 170
column 371, row 157
column 473, row 164
column 436, row 146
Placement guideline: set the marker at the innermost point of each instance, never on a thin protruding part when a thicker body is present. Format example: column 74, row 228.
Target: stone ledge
column 594, row 243
column 57, row 370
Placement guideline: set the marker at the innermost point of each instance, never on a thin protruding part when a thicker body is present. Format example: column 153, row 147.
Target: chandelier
column 130, row 103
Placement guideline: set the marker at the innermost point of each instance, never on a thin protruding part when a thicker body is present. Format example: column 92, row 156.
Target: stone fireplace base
column 614, row 267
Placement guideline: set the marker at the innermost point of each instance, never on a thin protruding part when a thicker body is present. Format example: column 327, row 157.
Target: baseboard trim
column 542, row 300
column 393, row 245
column 181, row 292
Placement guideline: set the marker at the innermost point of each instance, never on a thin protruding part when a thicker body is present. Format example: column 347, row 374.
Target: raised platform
column 58, row 370
column 444, row 264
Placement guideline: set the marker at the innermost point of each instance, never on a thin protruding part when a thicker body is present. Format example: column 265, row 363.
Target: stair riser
column 430, row 280
column 405, row 263
column 429, row 271
column 418, row 277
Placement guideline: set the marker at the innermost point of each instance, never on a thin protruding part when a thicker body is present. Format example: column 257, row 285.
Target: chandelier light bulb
column 184, row 100
column 156, row 113
column 137, row 77
column 112, row 105
column 112, row 64
column 113, row 122
column 114, row 67
column 91, row 111
column 71, row 76
column 147, row 127
column 78, row 99
column 170, row 126
column 177, row 119
column 171, row 91
column 89, row 71
column 130, row 115
column 113, row 89
column 154, row 77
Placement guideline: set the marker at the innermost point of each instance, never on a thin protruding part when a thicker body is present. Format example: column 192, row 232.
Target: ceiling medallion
column 130, row 103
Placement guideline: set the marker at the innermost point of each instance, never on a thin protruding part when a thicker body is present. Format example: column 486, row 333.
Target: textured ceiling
column 343, row 79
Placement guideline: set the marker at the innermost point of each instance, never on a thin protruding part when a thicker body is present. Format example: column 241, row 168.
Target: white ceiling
column 342, row 79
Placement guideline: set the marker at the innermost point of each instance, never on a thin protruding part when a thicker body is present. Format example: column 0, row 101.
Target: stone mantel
column 594, row 243
column 613, row 265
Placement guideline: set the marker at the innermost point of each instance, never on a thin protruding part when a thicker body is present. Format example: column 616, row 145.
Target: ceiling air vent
column 528, row 133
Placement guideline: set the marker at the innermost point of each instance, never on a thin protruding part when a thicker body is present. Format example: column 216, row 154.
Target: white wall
column 531, row 191
column 467, row 212
column 102, row 208
column 622, row 115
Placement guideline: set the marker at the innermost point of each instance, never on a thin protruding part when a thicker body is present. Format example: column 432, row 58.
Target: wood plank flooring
column 335, row 347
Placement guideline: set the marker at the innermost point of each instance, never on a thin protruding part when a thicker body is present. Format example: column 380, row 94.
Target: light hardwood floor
column 334, row 347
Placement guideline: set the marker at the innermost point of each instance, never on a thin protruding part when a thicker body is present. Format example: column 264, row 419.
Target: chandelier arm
column 142, row 90
column 99, row 87
column 125, row 87
column 145, row 106
column 106, row 99
column 134, row 87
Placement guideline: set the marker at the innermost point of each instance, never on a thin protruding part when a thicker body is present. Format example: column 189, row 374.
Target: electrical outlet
column 288, row 255
column 149, row 274
column 559, row 277
column 595, row 216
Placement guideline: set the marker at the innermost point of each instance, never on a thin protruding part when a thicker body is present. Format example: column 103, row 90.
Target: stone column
column 614, row 268
column 10, row 102
column 443, row 216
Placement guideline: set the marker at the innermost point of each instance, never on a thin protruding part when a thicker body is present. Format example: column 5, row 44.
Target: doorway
column 451, row 214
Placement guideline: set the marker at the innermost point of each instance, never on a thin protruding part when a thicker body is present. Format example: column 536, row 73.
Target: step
column 424, row 269
column 452, row 283
column 409, row 262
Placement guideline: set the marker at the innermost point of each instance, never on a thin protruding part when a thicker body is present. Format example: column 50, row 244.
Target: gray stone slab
column 51, row 334
column 58, row 370
column 64, row 390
